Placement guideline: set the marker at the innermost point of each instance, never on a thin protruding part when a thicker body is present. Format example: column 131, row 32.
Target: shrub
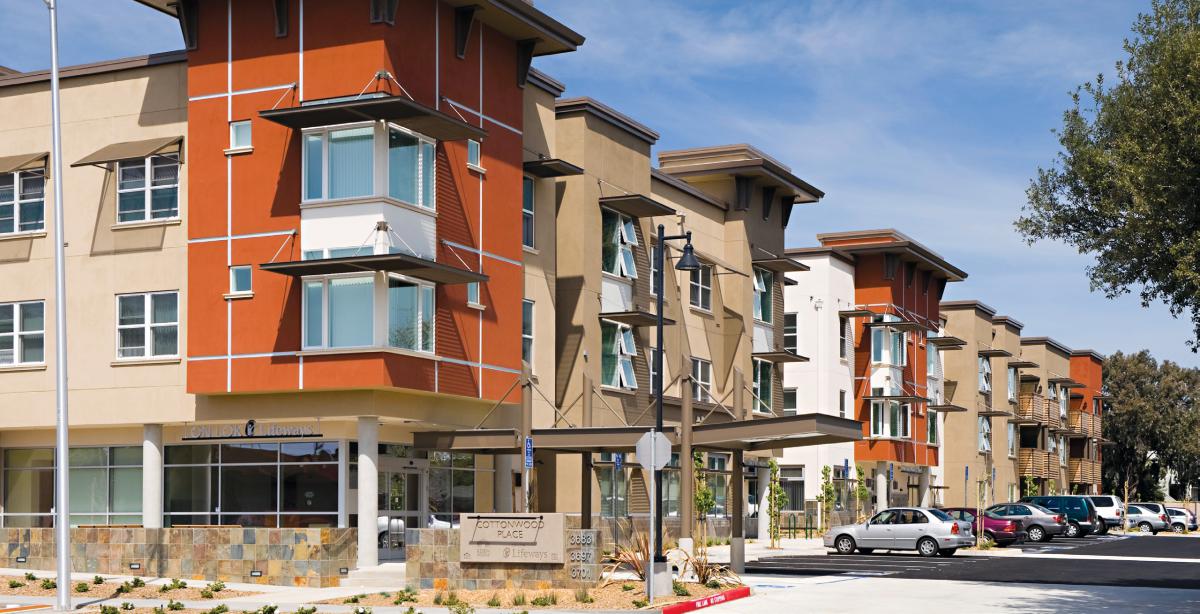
column 30, row 577
column 407, row 595
column 452, row 599
column 82, row 587
column 217, row 586
column 545, row 599
column 206, row 594
column 306, row 610
column 158, row 609
column 713, row 584
column 582, row 596
column 49, row 585
column 124, row 588
column 109, row 609
column 438, row 599
column 362, row 609
column 125, row 605
column 138, row 583
column 174, row 606
column 494, row 602
column 640, row 603
column 627, row 587
column 680, row 589
column 270, row 608
column 15, row 584
column 518, row 599
column 220, row 609
column 97, row 580
column 351, row 599
column 462, row 607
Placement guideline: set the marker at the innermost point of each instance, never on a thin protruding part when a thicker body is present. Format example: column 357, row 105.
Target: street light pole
column 62, row 527
column 687, row 262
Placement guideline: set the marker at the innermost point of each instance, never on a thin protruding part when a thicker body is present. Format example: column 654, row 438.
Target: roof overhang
column 947, row 408
column 1029, row 377
column 405, row 264
column 12, row 164
column 992, row 413
column 777, row 433
column 549, row 168
column 903, row 325
column 399, row 110
column 946, row 342
column 594, row 439
column 490, row 441
column 910, row 250
column 780, row 356
column 636, row 205
column 1065, row 382
column 766, row 171
column 1022, row 364
column 134, row 149
column 781, row 265
column 635, row 318
column 855, row 313
column 902, row 398
column 994, row 353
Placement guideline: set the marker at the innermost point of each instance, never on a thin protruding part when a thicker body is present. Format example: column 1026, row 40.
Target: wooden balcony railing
column 1053, row 418
column 1032, row 407
column 1035, row 463
column 1083, row 471
column 1079, row 422
column 1096, row 430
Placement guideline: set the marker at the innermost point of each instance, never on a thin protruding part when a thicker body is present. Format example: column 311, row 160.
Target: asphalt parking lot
column 1141, row 561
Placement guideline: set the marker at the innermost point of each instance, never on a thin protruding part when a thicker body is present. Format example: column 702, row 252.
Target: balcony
column 1083, row 471
column 1032, row 408
column 1096, row 431
column 1079, row 423
column 1035, row 463
column 1053, row 417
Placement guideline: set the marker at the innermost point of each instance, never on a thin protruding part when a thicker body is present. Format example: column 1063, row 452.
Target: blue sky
column 927, row 117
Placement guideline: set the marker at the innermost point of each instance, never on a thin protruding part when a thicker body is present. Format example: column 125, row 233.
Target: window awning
column 635, row 318
column 775, row 433
column 780, row 356
column 994, row 353
column 397, row 109
column 1022, row 364
column 903, row 325
column 12, row 164
column 902, row 398
column 491, row 441
column 1065, row 382
column 990, row 413
column 636, row 205
column 947, row 408
column 855, row 313
column 946, row 342
column 413, row 266
column 134, row 149
column 781, row 265
column 551, row 167
column 1029, row 377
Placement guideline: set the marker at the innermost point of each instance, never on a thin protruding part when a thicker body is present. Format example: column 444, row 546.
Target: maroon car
column 1000, row 531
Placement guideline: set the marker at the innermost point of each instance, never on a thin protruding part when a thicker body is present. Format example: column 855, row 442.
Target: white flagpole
column 62, row 527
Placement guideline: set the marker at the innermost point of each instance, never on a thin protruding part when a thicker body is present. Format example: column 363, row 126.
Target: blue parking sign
column 529, row 453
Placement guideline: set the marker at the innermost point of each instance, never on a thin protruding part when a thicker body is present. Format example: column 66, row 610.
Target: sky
column 925, row 117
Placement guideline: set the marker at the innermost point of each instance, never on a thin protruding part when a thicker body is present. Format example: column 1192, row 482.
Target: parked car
column 1040, row 524
column 1181, row 519
column 1146, row 520
column 1079, row 512
column 996, row 529
column 1110, row 510
column 929, row 531
column 1157, row 508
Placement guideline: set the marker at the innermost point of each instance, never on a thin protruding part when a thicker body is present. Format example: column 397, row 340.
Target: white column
column 368, row 491
column 152, row 476
column 764, row 510
column 923, row 489
column 881, row 489
column 343, row 484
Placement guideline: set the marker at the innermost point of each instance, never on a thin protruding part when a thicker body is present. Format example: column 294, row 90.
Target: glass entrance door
column 399, row 508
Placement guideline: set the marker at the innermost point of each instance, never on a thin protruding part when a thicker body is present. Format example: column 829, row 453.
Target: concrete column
column 737, row 539
column 923, row 489
column 764, row 511
column 152, row 476
column 739, row 403
column 502, row 482
column 368, row 491
column 687, row 470
column 585, row 491
column 881, row 489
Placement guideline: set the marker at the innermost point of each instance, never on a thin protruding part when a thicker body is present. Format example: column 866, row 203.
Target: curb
column 704, row 602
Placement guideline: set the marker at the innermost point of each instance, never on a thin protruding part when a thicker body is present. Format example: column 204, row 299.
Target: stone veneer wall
column 292, row 557
column 433, row 563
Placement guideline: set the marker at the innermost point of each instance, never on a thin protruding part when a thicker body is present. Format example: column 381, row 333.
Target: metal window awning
column 902, row 398
column 776, row 433
column 134, row 149
column 1022, row 364
column 855, row 313
column 947, row 408
column 903, row 325
column 992, row 413
column 548, row 168
column 1065, row 382
column 480, row 441
column 994, row 353
column 1020, row 421
column 1029, row 377
column 781, row 265
column 414, row 266
column 595, row 438
column 12, row 164
column 946, row 342
column 635, row 318
column 397, row 109
column 779, row 356
column 636, row 205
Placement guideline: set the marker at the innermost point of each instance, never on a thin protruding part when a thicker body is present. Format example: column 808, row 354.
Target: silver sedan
column 929, row 531
column 1145, row 520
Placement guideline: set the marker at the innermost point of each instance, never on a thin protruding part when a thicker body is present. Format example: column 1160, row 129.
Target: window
column 105, row 486
column 843, row 337
column 718, row 481
column 762, row 385
column 701, row 380
column 654, row 270
column 1012, row 440
column 474, row 157
column 148, row 325
column 899, row 348
column 792, row 481
column 931, row 428
column 701, row 287
column 1064, row 400
column 1062, row 449
column 842, row 403
column 1012, row 384
column 985, row 375
column 790, row 341
column 619, row 239
column 23, row 201
column 789, row 401
column 139, row 200
column 616, row 359
column 240, row 279
column 985, row 434
column 239, row 135
column 614, row 486
column 764, row 289
column 653, row 370
column 410, row 314
column 340, row 163
column 1052, row 391
column 451, row 485
column 339, row 312
column 888, row 346
column 527, row 331
column 890, row 418
column 473, row 294
column 23, row 333
column 527, row 215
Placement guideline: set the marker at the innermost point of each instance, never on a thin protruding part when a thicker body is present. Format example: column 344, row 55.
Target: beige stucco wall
column 97, row 110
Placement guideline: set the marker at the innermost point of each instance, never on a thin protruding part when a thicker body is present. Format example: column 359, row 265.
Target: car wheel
column 947, row 552
column 988, row 538
column 1145, row 527
column 1037, row 534
column 866, row 550
column 927, row 547
column 1074, row 530
column 844, row 544
column 1177, row 527
column 1102, row 529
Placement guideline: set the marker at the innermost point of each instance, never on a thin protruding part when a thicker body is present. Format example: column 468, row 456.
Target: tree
column 704, row 501
column 827, row 497
column 777, row 499
column 1124, row 188
column 862, row 492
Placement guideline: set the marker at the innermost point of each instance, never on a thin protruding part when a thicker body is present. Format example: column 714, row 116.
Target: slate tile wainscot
column 435, row 561
column 287, row 557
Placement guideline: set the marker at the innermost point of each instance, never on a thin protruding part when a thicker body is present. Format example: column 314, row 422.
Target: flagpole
column 62, row 527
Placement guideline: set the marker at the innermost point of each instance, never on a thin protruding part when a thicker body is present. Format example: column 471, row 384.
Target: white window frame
column 626, row 240
column 932, row 432
column 1062, row 450
column 1012, row 440
column 984, row 433
column 764, row 283
column 985, row 374
column 1052, row 391
column 147, row 326
column 530, row 213
column 792, row 331
column 233, row 289
column 625, row 347
column 233, row 129
column 527, row 336
column 699, row 287
column 701, row 380
column 845, row 338
column 650, row 368
column 17, row 201
column 18, row 334
column 380, row 187
column 881, row 419
column 148, row 188
column 762, row 404
column 788, row 411
column 475, row 156
column 379, row 305
column 1012, row 384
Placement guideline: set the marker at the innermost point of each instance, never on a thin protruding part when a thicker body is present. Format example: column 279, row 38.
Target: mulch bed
column 33, row 588
column 612, row 596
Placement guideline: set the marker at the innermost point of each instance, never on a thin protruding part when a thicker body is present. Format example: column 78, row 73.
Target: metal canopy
column 855, row 313
column 903, row 325
column 989, row 413
column 947, row 408
column 903, row 398
column 1065, row 382
column 635, row 318
column 636, row 205
column 493, row 441
column 413, row 266
column 134, row 149
column 551, row 167
column 781, row 265
column 776, row 433
column 994, row 353
column 1022, row 364
column 946, row 342
column 12, row 164
column 595, row 438
column 397, row 109
column 1028, row 377
column 780, row 356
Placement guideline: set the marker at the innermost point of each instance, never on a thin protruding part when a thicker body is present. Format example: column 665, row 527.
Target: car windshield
column 940, row 515
column 1103, row 501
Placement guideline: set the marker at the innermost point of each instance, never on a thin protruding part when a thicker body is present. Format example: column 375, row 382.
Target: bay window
column 148, row 188
column 616, row 355
column 762, row 385
column 891, row 419
column 22, row 201
column 410, row 314
column 888, row 346
column 342, row 162
column 619, row 237
column 148, row 325
column 23, row 333
column 764, row 282
column 340, row 312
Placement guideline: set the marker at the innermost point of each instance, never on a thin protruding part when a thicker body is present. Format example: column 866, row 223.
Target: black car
column 1080, row 514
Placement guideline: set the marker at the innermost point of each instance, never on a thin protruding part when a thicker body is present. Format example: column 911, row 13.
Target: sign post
column 653, row 452
column 528, row 466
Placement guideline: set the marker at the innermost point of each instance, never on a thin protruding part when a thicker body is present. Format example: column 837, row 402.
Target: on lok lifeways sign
column 249, row 430
column 511, row 538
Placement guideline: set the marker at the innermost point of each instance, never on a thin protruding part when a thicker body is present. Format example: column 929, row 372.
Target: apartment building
column 1085, row 433
column 879, row 295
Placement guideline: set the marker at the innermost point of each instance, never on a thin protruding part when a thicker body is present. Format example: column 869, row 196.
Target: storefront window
column 718, row 481
column 614, row 487
column 451, row 485
column 105, row 486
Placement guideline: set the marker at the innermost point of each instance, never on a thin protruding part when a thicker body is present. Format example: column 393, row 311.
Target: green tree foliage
column 777, row 499
column 862, row 493
column 1126, row 185
column 827, row 497
column 704, row 500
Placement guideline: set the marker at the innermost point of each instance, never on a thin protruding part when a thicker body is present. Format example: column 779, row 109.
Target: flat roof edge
column 96, row 68
column 585, row 104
